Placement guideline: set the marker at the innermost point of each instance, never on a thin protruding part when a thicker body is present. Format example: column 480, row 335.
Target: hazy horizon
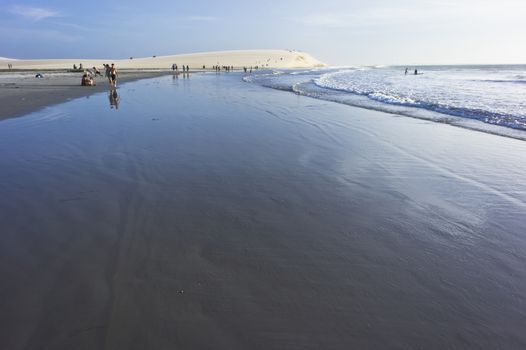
column 380, row 32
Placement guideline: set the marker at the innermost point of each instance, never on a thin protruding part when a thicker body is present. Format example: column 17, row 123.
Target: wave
column 510, row 81
column 459, row 95
column 508, row 120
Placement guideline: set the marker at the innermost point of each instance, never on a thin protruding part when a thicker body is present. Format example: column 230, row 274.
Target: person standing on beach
column 113, row 75
column 406, row 71
column 107, row 69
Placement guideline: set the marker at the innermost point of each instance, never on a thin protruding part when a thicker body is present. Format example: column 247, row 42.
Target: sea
column 489, row 98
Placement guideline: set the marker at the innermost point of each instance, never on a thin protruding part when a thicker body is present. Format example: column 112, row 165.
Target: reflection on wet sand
column 184, row 75
column 114, row 99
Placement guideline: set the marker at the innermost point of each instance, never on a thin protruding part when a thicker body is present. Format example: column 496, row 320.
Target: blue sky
column 336, row 32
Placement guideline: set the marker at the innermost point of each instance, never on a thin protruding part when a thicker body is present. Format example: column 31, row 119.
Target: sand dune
column 261, row 58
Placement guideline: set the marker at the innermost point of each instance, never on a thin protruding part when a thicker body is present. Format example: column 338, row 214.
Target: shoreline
column 21, row 96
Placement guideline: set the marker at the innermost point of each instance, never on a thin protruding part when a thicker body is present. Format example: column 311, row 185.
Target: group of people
column 87, row 80
column 175, row 68
column 225, row 68
column 217, row 68
column 90, row 74
column 111, row 74
column 249, row 70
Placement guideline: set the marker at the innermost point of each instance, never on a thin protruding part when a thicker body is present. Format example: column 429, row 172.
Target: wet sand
column 21, row 93
column 207, row 213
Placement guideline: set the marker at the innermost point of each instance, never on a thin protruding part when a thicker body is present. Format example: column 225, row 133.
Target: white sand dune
column 241, row 58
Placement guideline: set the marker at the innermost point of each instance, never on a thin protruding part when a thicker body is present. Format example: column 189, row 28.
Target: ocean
column 490, row 98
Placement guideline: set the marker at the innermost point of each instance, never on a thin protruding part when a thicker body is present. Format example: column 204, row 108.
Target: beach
column 22, row 93
column 210, row 213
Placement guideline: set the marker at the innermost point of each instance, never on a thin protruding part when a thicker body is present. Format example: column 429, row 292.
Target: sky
column 338, row 32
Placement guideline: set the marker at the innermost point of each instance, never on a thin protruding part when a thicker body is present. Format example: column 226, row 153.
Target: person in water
column 416, row 71
column 405, row 71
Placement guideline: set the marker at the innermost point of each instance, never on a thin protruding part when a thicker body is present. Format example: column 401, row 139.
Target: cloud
column 330, row 20
column 423, row 12
column 363, row 19
column 199, row 18
column 33, row 13
column 72, row 26
column 42, row 35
